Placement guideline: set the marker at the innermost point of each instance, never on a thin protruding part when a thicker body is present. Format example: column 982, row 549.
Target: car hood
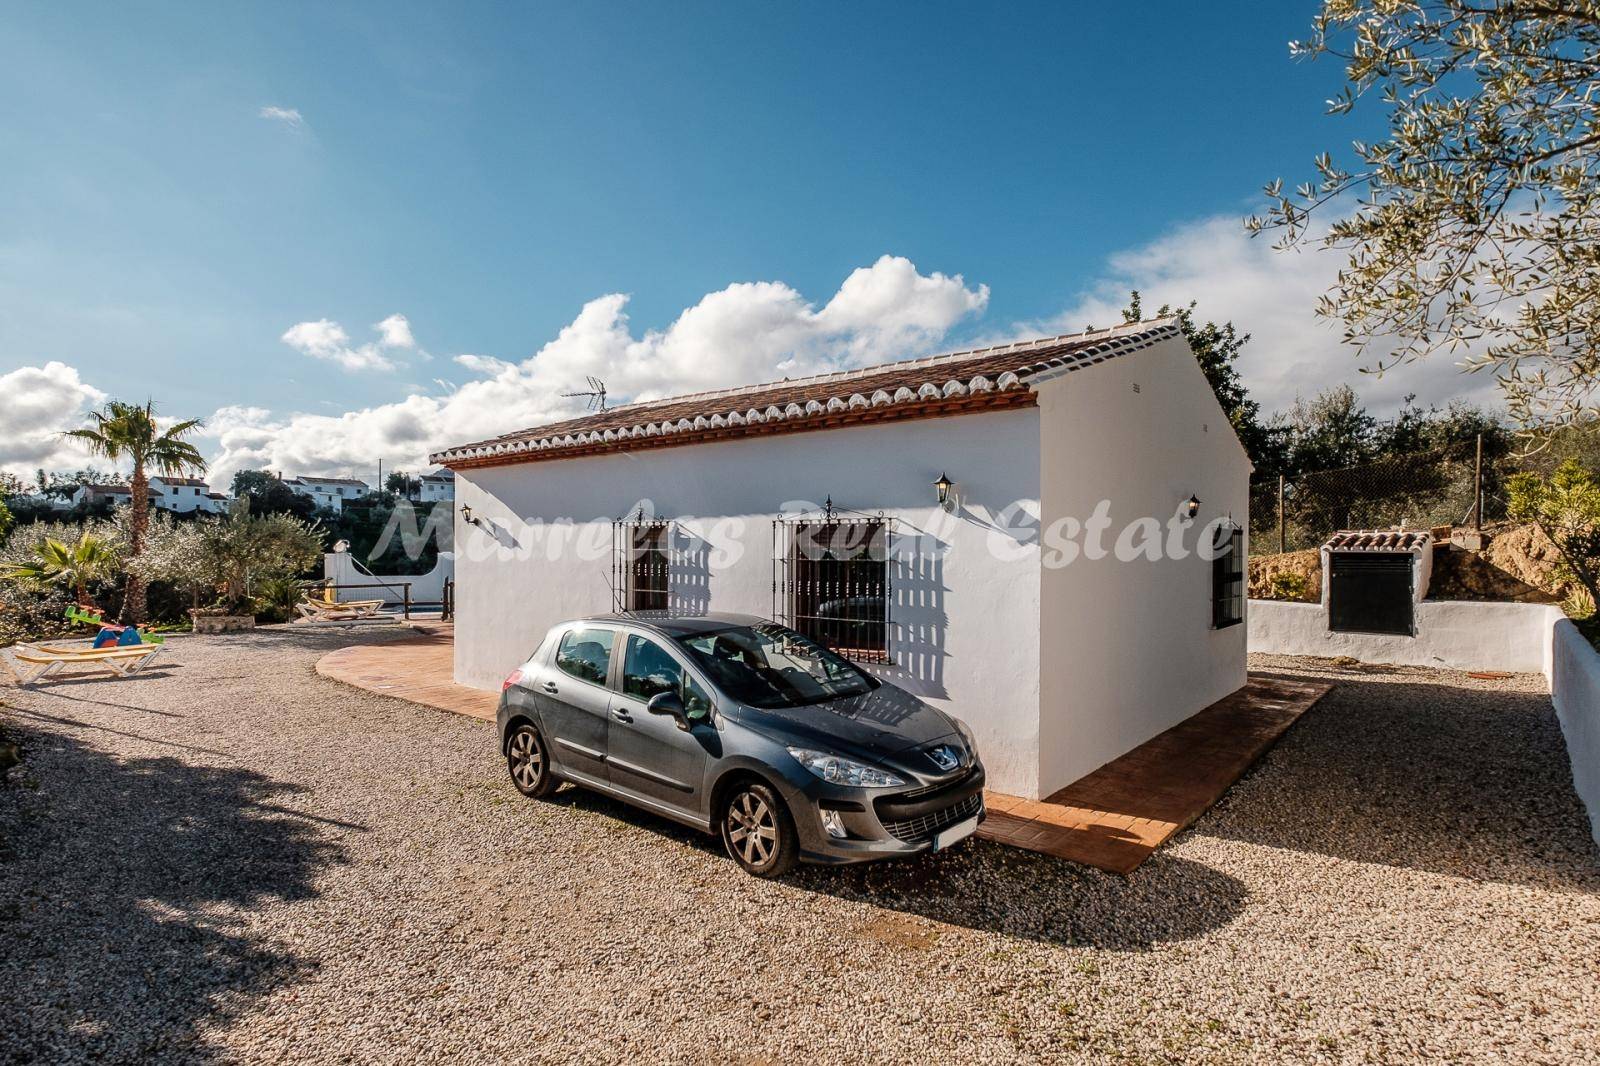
column 882, row 722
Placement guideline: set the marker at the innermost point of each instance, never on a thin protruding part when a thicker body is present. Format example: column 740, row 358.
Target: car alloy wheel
column 525, row 759
column 757, row 832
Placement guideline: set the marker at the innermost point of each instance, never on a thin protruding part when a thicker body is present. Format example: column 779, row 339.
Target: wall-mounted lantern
column 1192, row 507
column 466, row 515
column 942, row 486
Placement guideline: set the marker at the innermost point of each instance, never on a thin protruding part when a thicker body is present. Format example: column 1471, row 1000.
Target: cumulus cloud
column 327, row 340
column 395, row 332
column 1271, row 295
column 289, row 116
column 37, row 404
column 745, row 333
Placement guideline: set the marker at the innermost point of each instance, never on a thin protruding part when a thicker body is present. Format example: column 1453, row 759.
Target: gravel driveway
column 234, row 858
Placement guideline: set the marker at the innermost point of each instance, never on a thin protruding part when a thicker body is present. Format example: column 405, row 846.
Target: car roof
column 676, row 625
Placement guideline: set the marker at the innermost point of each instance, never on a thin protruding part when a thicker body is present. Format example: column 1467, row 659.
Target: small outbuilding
column 1046, row 539
column 1373, row 579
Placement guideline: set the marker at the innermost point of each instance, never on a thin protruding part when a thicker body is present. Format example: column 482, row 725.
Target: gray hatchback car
column 741, row 727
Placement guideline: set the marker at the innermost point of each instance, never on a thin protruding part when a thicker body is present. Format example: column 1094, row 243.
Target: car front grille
column 921, row 830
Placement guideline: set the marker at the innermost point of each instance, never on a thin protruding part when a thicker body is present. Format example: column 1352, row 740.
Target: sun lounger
column 322, row 611
column 34, row 662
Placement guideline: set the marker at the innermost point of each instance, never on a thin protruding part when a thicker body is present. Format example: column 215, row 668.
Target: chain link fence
column 1418, row 491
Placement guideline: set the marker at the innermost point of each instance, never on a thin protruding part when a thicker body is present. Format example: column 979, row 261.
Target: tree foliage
column 265, row 493
column 1473, row 225
column 235, row 554
column 1566, row 506
column 72, row 565
column 129, row 431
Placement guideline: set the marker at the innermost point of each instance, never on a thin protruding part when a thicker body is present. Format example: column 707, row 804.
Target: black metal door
column 1370, row 592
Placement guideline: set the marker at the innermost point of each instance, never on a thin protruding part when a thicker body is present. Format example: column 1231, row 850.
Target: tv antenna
column 596, row 394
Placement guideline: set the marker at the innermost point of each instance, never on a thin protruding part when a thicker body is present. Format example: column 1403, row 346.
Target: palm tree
column 126, row 430
column 91, row 559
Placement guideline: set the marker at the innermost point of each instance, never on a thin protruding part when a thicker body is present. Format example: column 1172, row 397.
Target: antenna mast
column 596, row 394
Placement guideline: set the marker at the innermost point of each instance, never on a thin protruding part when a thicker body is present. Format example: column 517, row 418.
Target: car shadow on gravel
column 1470, row 782
column 990, row 887
column 121, row 882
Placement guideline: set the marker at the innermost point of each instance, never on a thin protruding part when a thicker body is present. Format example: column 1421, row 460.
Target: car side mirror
column 671, row 703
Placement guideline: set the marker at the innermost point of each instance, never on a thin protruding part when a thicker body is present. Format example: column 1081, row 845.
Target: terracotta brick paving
column 1116, row 817
column 419, row 669
column 1113, row 819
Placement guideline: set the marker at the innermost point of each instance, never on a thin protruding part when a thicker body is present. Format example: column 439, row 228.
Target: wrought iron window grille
column 1228, row 577
column 643, row 551
column 831, row 579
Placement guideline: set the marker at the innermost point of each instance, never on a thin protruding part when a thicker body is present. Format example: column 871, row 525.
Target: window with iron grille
column 641, row 552
column 831, row 583
column 1227, row 577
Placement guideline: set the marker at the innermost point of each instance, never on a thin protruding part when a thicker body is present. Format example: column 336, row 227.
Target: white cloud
column 325, row 339
column 289, row 116
column 1271, row 295
column 395, row 332
column 38, row 404
column 745, row 333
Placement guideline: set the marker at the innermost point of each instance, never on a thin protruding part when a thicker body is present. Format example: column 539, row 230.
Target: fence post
column 406, row 592
column 1477, row 492
column 1280, row 515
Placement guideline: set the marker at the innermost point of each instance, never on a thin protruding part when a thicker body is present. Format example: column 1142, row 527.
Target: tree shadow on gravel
column 993, row 888
column 120, row 886
column 1447, row 779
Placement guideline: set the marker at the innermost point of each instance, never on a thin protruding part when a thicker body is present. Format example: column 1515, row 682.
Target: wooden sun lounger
column 322, row 611
column 34, row 662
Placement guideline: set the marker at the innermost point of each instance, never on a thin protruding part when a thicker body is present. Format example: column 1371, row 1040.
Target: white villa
column 329, row 493
column 179, row 495
column 1022, row 535
column 184, row 494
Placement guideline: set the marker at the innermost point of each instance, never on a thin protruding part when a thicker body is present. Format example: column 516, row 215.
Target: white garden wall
column 341, row 568
column 1575, row 690
column 1453, row 634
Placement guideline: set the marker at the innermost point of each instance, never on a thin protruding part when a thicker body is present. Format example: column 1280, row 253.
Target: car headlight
column 966, row 735
column 840, row 771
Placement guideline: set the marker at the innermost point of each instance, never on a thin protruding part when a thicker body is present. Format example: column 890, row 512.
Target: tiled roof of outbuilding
column 1379, row 540
column 942, row 384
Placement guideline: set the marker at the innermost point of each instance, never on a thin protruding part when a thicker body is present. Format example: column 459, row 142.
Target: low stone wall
column 1575, row 691
column 1454, row 634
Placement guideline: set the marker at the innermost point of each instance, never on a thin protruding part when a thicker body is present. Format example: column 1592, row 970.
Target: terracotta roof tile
column 934, row 385
column 1379, row 540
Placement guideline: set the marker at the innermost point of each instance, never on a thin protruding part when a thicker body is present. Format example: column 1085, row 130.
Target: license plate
column 955, row 834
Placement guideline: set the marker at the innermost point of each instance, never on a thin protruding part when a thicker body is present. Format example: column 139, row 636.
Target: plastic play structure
column 110, row 634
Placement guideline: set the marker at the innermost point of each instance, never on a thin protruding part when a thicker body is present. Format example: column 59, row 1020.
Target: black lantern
column 1192, row 508
column 943, row 485
column 466, row 513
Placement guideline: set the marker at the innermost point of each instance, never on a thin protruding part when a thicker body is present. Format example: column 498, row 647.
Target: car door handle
column 621, row 714
column 549, row 686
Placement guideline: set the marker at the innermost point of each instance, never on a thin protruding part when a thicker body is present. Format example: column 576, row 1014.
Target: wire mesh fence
column 1417, row 491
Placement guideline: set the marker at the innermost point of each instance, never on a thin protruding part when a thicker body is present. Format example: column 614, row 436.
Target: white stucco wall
column 1455, row 634
column 1128, row 647
column 341, row 568
column 965, row 622
column 1575, row 691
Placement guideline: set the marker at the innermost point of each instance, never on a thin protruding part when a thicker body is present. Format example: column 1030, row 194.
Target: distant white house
column 116, row 495
column 329, row 493
column 439, row 485
column 179, row 495
column 182, row 495
column 1046, row 539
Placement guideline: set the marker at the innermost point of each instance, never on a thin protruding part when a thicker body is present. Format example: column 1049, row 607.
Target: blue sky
column 488, row 170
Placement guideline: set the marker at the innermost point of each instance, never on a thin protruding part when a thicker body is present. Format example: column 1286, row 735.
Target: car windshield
column 772, row 666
